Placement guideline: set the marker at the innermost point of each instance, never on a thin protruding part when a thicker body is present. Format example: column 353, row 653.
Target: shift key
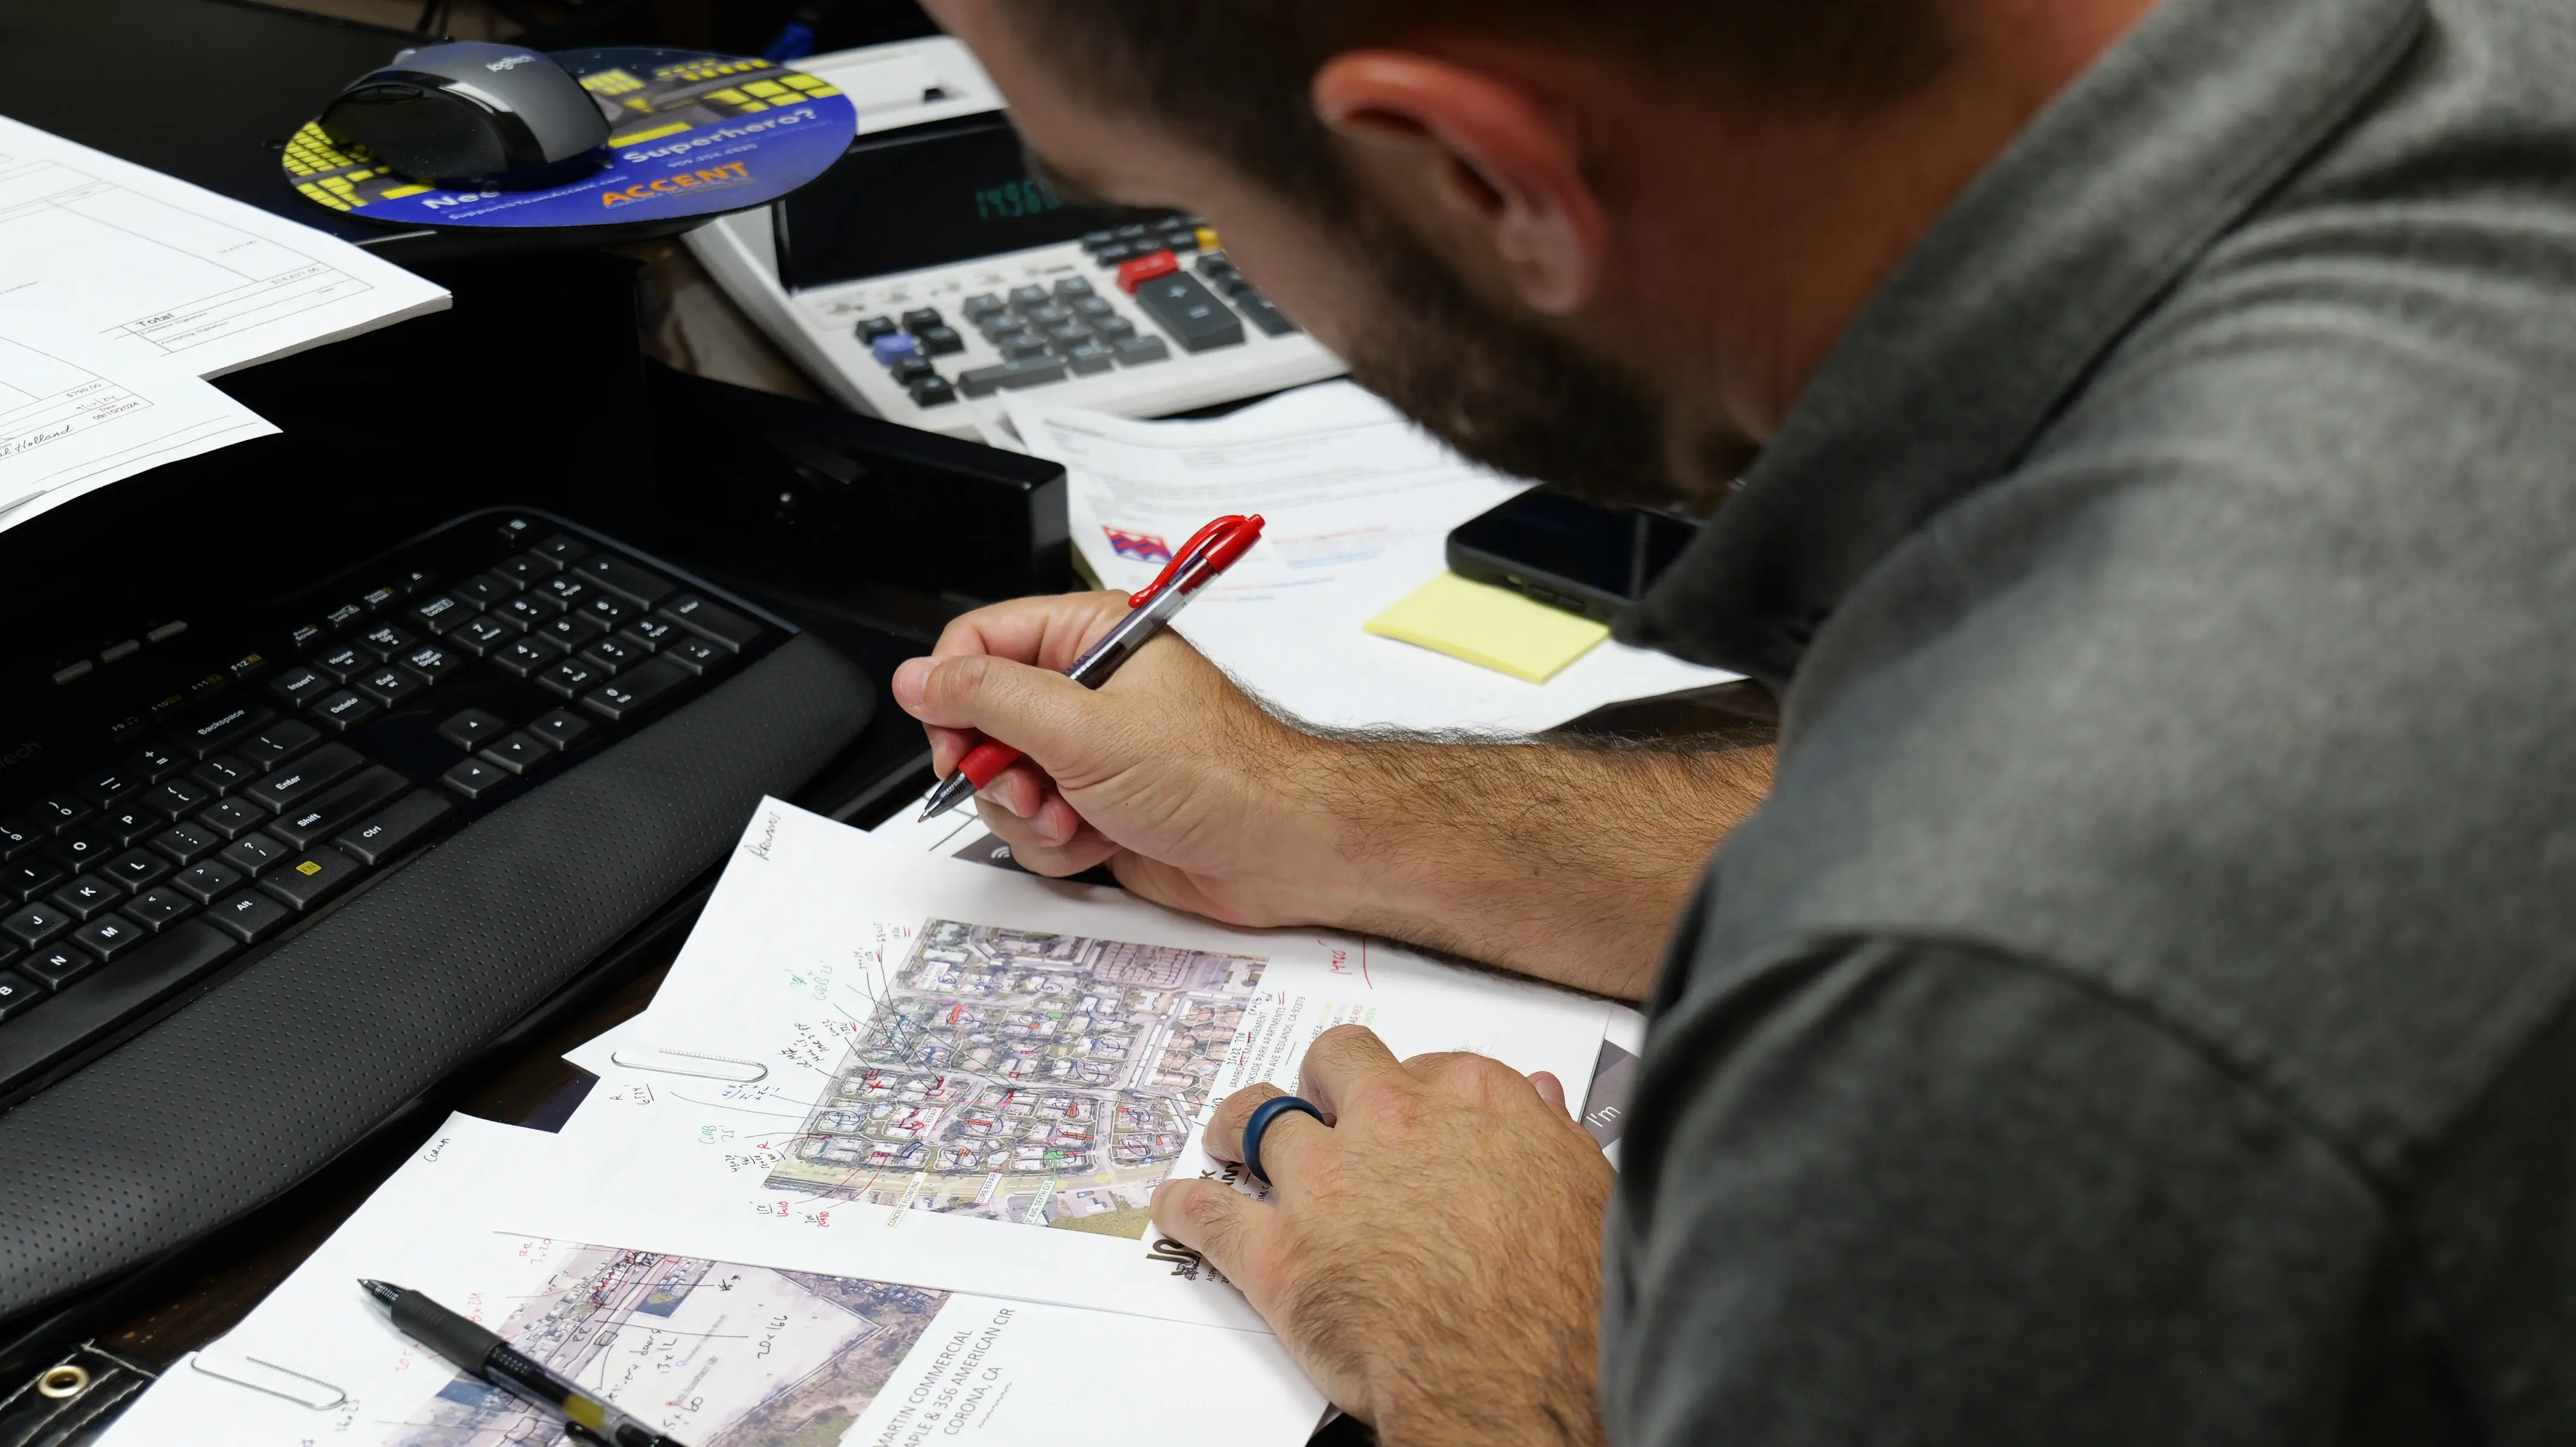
column 338, row 807
column 311, row 877
column 394, row 828
column 307, row 776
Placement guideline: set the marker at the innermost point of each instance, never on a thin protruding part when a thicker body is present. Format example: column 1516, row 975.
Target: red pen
column 1210, row 551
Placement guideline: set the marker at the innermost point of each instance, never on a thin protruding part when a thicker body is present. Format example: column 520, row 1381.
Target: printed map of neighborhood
column 1018, row 1076
column 712, row 1354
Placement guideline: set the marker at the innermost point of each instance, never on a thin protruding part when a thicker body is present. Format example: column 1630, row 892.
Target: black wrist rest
column 266, row 1078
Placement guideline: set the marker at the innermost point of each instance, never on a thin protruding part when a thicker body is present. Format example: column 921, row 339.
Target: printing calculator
column 928, row 273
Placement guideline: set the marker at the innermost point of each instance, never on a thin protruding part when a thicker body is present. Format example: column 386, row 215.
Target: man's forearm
column 1568, row 864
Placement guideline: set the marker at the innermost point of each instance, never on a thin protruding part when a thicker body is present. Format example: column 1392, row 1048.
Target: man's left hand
column 1433, row 1257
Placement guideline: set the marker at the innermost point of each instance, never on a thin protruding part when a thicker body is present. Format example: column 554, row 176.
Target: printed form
column 881, row 1063
column 164, row 270
column 76, row 415
column 714, row 1353
column 1359, row 503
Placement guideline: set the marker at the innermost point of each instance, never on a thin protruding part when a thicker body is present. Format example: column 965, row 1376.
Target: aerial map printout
column 712, row 1353
column 891, row 1065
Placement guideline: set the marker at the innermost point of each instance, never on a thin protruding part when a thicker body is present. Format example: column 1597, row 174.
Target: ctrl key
column 247, row 917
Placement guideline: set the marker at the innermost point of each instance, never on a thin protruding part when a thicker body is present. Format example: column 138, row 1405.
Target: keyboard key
column 932, row 392
column 137, row 868
column 1184, row 306
column 606, row 612
column 26, row 879
column 347, row 662
column 393, row 828
column 76, row 852
column 518, row 751
column 561, row 728
column 308, row 636
column 940, row 341
column 187, row 843
column 216, row 731
column 18, row 994
column 479, row 636
column 529, row 656
column 573, row 630
column 269, row 747
column 626, row 580
column 718, row 625
column 1264, row 313
column 59, row 812
column 17, row 836
column 1110, row 331
column 517, row 531
column 387, row 640
column 178, row 798
column 487, row 590
column 1137, row 351
column 378, row 600
column 288, row 787
column 87, row 897
column 253, row 853
column 474, row 778
column 985, row 381
column 569, row 678
column 310, row 878
column 983, row 304
column 696, row 655
column 108, row 786
column 1088, row 358
column 57, row 965
column 158, row 909
column 530, row 610
column 222, row 774
column 346, row 615
column 337, row 808
column 414, row 582
column 32, row 926
column 249, row 918
column 345, row 710
column 232, row 818
column 612, row 654
column 527, row 569
column 442, row 612
column 109, row 936
column 917, row 319
column 131, row 824
column 431, row 662
column 392, row 687
column 648, row 634
column 204, row 881
column 474, row 727
column 570, row 589
column 626, row 696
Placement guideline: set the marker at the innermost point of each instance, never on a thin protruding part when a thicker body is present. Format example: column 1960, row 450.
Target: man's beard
column 1519, row 399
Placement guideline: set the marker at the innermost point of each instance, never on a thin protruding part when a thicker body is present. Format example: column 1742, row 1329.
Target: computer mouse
column 474, row 117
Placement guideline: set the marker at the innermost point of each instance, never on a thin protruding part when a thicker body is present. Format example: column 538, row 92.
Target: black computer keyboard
column 212, row 787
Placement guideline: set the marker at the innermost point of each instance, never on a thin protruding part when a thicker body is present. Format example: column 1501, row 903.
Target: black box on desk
column 855, row 498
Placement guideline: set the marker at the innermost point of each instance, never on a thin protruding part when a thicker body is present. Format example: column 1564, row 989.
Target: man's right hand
column 1192, row 795
column 1566, row 863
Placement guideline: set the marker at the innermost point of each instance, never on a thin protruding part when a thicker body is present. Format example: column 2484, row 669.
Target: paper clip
column 232, row 1372
column 756, row 1070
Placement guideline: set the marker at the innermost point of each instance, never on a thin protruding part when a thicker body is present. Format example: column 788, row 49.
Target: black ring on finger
column 1262, row 1115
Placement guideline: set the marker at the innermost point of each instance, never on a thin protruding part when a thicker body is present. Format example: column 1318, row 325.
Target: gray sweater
column 2142, row 1012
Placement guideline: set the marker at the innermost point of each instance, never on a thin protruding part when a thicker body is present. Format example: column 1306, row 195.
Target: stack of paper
column 1359, row 503
column 120, row 288
column 872, row 1168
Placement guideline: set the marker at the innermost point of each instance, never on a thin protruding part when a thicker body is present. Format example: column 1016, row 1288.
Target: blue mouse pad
column 690, row 134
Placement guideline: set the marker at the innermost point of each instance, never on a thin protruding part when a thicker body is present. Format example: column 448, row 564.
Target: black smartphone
column 1595, row 561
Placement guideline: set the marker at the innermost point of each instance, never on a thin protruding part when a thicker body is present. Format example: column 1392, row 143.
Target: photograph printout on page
column 77, row 414
column 165, row 270
column 1359, row 503
column 711, row 1352
column 931, row 1071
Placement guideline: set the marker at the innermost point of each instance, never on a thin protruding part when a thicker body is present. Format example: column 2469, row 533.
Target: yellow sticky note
column 1490, row 627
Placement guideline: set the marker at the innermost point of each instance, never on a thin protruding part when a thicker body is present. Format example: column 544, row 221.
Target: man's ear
column 1477, row 160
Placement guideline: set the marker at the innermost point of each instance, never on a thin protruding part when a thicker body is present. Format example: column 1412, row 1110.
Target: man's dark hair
column 1237, row 72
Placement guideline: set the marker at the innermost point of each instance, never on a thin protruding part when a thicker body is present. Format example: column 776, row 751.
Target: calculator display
column 927, row 195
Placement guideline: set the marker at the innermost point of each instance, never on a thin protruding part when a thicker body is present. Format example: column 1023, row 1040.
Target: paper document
column 974, row 1078
column 162, row 269
column 1360, row 503
column 76, row 415
column 714, row 1353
